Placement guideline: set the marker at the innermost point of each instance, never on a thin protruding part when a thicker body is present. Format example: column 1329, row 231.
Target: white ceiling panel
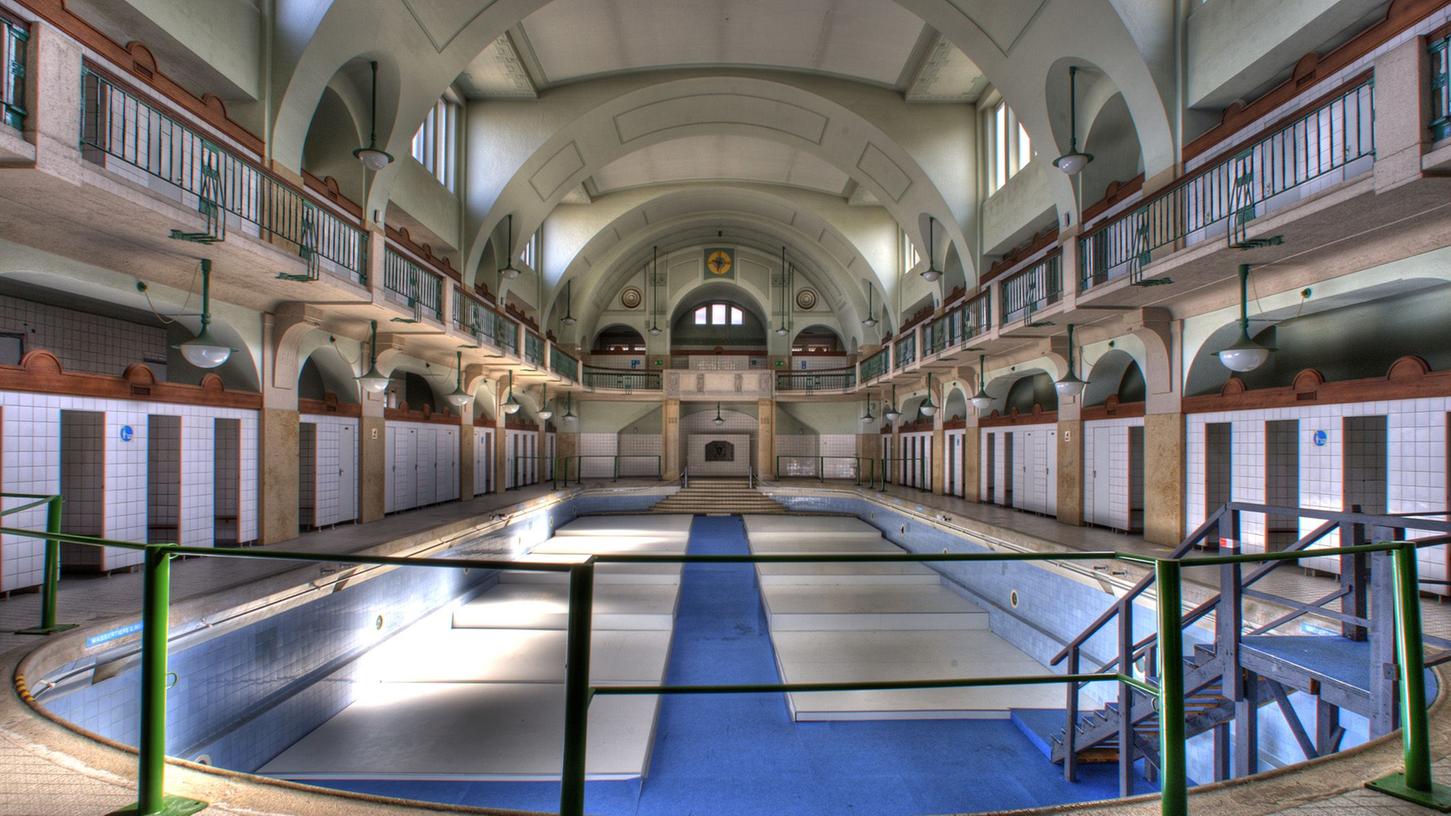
column 721, row 158
column 869, row 40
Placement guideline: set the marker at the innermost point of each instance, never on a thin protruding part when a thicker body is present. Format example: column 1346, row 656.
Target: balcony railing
column 563, row 364
column 874, row 366
column 1031, row 289
column 1440, row 59
column 482, row 323
column 117, row 125
column 1222, row 198
column 966, row 321
column 14, row 39
column 533, row 349
column 621, row 379
column 826, row 379
column 905, row 351
column 408, row 284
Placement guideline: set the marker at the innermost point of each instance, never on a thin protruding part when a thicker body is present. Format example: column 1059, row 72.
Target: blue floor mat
column 743, row 755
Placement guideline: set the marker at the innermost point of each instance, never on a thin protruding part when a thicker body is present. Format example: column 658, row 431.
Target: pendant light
column 867, row 418
column 205, row 350
column 545, row 413
column 511, row 405
column 1069, row 385
column 1074, row 160
column 1245, row 354
column 891, row 415
column 871, row 320
column 652, row 287
column 375, row 381
column 719, row 420
column 981, row 401
column 373, row 157
column 785, row 306
column 509, row 272
column 569, row 408
column 931, row 273
column 459, row 398
column 568, row 318
column 927, row 408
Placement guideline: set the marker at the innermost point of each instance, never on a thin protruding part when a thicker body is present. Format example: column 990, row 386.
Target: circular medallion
column 630, row 298
column 806, row 299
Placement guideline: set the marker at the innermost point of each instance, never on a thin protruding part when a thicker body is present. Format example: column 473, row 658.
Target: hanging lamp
column 931, row 273
column 545, row 413
column 927, row 408
column 652, row 287
column 867, row 418
column 375, row 381
column 981, row 401
column 511, row 405
column 205, row 350
column 892, row 414
column 569, row 408
column 568, row 318
column 1069, row 385
column 871, row 320
column 719, row 420
column 1074, row 160
column 1244, row 354
column 459, row 398
column 373, row 157
column 509, row 272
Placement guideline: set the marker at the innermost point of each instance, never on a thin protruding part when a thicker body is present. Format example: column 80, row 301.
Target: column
column 501, row 438
column 1402, row 100
column 766, row 439
column 939, row 449
column 277, row 450
column 972, row 462
column 372, row 458
column 869, row 448
column 1070, row 468
column 1164, row 478
column 670, row 439
column 53, row 96
column 466, row 452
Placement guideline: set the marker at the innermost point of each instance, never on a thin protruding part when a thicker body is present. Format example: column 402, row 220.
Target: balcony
column 1031, row 289
column 620, row 379
column 533, row 349
column 830, row 380
column 484, row 325
column 1439, row 55
column 14, row 39
column 875, row 366
column 904, row 351
column 409, row 285
column 563, row 365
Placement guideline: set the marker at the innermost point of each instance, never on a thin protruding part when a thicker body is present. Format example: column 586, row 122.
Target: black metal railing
column 117, row 125
column 14, row 44
column 1031, row 289
column 409, row 284
column 904, row 351
column 1333, row 134
column 621, row 379
column 563, row 364
column 533, row 348
column 875, row 365
column 474, row 318
column 967, row 320
column 1439, row 56
column 826, row 379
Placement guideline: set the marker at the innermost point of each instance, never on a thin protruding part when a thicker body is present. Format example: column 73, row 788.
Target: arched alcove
column 324, row 372
column 1118, row 374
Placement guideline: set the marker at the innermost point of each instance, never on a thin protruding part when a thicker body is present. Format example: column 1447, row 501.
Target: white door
column 347, row 471
column 407, row 489
column 1102, row 476
column 424, row 466
column 448, row 458
column 390, row 475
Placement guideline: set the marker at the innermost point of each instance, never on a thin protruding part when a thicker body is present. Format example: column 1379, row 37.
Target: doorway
column 1010, row 474
column 1282, row 482
column 83, row 486
column 1136, row 478
column 163, row 479
column 226, row 482
column 1218, row 473
column 990, row 469
column 1364, row 471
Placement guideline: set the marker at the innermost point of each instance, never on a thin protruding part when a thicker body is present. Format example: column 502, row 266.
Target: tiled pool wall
column 244, row 695
column 1053, row 609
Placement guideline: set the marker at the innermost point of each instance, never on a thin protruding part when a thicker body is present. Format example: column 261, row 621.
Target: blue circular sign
column 126, row 433
column 1320, row 438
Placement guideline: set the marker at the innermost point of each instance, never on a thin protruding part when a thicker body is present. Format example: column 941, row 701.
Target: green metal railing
column 14, row 42
column 908, row 471
column 1166, row 687
column 1031, row 289
column 116, row 123
column 563, row 364
column 482, row 323
column 967, row 320
column 533, row 349
column 875, row 365
column 904, row 351
column 1439, row 55
column 1327, row 138
column 825, row 379
column 409, row 284
column 608, row 466
column 621, row 379
column 859, row 469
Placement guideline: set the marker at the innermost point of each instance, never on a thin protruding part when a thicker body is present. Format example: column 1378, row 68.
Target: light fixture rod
column 1073, row 109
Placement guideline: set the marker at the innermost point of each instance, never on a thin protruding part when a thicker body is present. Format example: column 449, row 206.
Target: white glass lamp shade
column 981, row 402
column 655, row 331
column 205, row 350
column 931, row 275
column 459, row 398
column 892, row 415
column 870, row 322
column 373, row 158
column 511, row 406
column 546, row 414
column 928, row 409
column 1244, row 355
column 1073, row 162
column 1069, row 386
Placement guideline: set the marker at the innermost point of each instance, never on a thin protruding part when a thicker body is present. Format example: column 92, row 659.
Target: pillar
column 372, row 458
column 972, row 463
column 466, row 453
column 277, row 450
column 566, row 447
column 53, row 100
column 939, row 450
column 1402, row 114
column 1164, row 478
column 869, row 448
column 766, row 439
column 670, row 439
column 501, row 441
column 1070, row 470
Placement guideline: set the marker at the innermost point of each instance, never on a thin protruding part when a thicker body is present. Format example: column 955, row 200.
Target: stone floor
column 47, row 770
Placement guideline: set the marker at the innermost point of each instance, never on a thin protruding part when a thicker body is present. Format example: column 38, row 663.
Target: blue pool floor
column 743, row 755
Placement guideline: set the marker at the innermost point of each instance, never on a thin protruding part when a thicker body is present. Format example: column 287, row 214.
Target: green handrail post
column 1414, row 784
column 576, row 688
column 1174, row 795
column 151, row 798
column 50, row 577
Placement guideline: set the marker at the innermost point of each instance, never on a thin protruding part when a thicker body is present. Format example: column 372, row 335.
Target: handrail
column 965, row 321
column 116, row 122
column 1168, row 689
column 533, row 348
column 420, row 289
column 14, row 40
column 820, row 379
column 1439, row 54
column 476, row 318
column 820, row 471
column 685, row 477
column 875, row 365
column 1031, row 289
column 562, row 363
column 621, row 379
column 904, row 351
column 1326, row 138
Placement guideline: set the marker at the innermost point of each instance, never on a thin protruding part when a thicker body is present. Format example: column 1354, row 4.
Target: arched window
column 719, row 314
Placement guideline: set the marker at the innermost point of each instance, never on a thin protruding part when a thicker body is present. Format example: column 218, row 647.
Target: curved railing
column 875, row 365
column 14, row 39
column 825, row 379
column 621, row 379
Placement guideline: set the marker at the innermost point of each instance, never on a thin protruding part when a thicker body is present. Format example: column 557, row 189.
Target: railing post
column 151, row 799
column 1415, row 783
column 1173, row 787
column 50, row 577
column 1070, row 727
column 576, row 688
column 1126, row 698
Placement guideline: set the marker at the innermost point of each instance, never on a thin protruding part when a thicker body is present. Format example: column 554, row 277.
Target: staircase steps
column 718, row 497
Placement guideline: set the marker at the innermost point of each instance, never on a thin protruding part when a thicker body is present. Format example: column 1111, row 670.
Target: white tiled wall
column 818, row 362
column 328, row 469
column 483, row 460
column 797, row 455
column 954, row 449
column 1107, row 487
column 1034, row 467
column 72, row 337
column 1415, row 473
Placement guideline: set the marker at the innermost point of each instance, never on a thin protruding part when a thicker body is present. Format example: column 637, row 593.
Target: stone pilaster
column 670, row 439
column 766, row 439
column 1164, row 478
column 972, row 464
column 372, row 459
column 1070, row 471
column 466, row 453
column 1402, row 114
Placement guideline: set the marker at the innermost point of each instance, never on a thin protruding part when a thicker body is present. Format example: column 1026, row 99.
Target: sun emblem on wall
column 720, row 263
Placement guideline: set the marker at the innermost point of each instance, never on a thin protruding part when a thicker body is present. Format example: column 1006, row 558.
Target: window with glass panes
column 719, row 314
column 435, row 145
column 1009, row 148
